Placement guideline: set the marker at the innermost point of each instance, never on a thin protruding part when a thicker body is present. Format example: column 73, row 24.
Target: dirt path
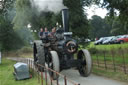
column 75, row 76
column 91, row 80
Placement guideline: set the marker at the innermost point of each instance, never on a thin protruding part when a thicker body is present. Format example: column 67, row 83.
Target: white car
column 107, row 41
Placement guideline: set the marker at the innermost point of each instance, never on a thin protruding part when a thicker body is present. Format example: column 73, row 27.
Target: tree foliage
column 118, row 5
column 99, row 27
column 5, row 5
column 78, row 20
column 9, row 39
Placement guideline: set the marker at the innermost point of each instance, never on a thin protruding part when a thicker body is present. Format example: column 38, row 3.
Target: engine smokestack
column 65, row 18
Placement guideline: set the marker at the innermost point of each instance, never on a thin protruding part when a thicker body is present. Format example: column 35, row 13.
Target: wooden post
column 0, row 58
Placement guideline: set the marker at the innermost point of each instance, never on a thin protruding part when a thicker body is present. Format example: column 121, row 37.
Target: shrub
column 93, row 50
column 26, row 50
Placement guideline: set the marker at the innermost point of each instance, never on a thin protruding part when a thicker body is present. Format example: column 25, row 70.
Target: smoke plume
column 48, row 5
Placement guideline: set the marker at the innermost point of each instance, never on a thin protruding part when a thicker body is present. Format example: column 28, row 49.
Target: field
column 108, row 47
column 7, row 78
column 110, row 60
column 118, row 52
column 25, row 51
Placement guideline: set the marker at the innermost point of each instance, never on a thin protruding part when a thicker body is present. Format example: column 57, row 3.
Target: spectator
column 46, row 33
column 41, row 33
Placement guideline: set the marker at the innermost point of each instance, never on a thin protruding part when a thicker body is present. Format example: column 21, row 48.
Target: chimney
column 65, row 18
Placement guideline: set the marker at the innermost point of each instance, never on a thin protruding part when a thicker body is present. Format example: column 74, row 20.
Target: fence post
column 65, row 80
column 57, row 80
column 41, row 78
column 105, row 60
column 0, row 57
column 51, row 80
column 97, row 60
column 113, row 59
column 46, row 77
column 29, row 63
column 124, row 61
column 38, row 74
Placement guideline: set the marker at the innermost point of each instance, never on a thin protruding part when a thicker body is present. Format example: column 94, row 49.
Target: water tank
column 21, row 71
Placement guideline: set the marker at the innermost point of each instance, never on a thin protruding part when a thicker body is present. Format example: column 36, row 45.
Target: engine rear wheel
column 39, row 57
column 86, row 67
column 54, row 64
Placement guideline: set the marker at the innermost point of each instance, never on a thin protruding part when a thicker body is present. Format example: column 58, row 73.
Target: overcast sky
column 95, row 10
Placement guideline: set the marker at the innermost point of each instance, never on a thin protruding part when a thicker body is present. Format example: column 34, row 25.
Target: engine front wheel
column 86, row 67
column 54, row 64
column 39, row 58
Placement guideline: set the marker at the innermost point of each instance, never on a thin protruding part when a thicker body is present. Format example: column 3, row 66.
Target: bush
column 93, row 50
column 26, row 50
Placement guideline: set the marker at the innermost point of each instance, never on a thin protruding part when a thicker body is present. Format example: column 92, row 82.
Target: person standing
column 46, row 33
column 41, row 33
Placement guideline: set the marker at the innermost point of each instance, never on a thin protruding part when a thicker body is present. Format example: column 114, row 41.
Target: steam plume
column 48, row 5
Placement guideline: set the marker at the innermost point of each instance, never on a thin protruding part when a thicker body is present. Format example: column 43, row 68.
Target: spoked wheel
column 86, row 67
column 54, row 64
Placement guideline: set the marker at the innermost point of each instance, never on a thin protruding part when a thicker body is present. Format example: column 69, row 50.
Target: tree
column 117, row 5
column 99, row 27
column 78, row 20
column 9, row 39
column 118, row 28
column 5, row 5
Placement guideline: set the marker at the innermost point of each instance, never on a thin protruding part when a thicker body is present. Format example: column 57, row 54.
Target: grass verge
column 110, row 74
column 108, row 47
column 7, row 78
column 23, row 52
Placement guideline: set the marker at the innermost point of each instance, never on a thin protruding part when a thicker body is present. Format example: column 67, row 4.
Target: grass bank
column 7, row 78
column 113, row 56
column 23, row 52
column 108, row 47
column 110, row 74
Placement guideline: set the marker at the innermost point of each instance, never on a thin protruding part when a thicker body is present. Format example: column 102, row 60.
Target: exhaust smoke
column 48, row 5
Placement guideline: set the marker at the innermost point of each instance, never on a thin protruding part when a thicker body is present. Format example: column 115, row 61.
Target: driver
column 52, row 34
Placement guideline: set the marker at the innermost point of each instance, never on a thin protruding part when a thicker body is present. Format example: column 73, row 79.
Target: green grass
column 110, row 74
column 108, row 47
column 118, row 59
column 7, row 78
column 23, row 52
column 113, row 49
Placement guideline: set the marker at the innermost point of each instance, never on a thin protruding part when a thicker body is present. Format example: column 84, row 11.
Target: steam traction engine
column 61, row 52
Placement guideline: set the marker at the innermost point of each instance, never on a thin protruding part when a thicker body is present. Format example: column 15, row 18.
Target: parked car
column 108, row 40
column 87, row 40
column 100, row 41
column 115, row 39
column 123, row 39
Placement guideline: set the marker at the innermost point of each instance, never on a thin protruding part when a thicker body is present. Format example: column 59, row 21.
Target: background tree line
column 103, row 27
